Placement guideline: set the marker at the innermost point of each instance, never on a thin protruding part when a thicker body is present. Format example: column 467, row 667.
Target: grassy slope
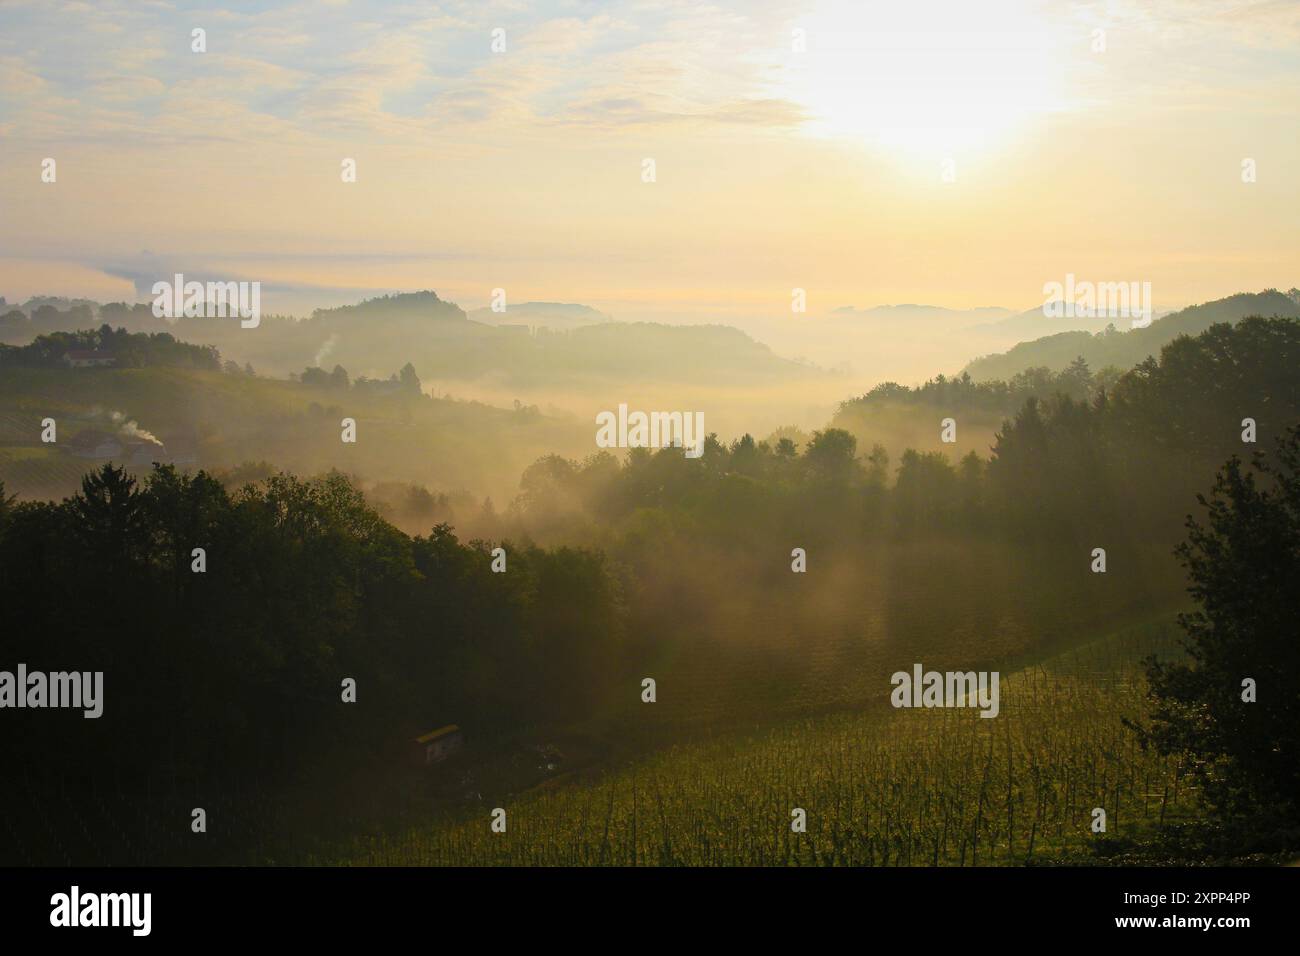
column 919, row 787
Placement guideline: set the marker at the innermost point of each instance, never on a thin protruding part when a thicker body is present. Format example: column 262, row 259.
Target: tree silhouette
column 1244, row 565
column 107, row 511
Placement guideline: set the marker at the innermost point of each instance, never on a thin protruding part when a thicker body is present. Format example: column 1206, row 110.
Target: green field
column 907, row 787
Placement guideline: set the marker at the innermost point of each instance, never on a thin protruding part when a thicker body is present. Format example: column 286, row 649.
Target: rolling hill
column 1125, row 349
column 533, row 344
column 223, row 421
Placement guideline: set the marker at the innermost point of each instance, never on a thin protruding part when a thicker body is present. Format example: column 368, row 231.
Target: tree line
column 129, row 349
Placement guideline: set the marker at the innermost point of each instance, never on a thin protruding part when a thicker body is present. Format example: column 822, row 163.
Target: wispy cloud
column 372, row 70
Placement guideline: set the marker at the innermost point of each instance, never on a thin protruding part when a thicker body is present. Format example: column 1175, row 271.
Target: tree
column 925, row 489
column 183, row 511
column 6, row 502
column 316, row 376
column 108, row 513
column 745, row 456
column 545, row 483
column 970, row 479
column 830, row 455
column 1076, row 381
column 1244, row 565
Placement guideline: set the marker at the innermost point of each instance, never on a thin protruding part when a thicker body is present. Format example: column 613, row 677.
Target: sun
column 928, row 78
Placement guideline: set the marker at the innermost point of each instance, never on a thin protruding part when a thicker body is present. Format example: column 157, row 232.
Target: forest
column 223, row 672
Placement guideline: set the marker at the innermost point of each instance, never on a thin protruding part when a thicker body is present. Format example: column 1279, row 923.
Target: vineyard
column 909, row 788
column 41, row 472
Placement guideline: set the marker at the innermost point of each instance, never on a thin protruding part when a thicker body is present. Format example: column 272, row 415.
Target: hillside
column 1126, row 348
column 880, row 788
column 553, row 315
column 1033, row 324
column 217, row 420
column 533, row 345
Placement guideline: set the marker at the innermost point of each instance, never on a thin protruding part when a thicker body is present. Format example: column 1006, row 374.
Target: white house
column 87, row 358
column 91, row 443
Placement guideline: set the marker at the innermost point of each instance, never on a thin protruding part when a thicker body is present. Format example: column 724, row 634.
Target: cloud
column 630, row 110
column 383, row 72
column 121, row 89
column 18, row 79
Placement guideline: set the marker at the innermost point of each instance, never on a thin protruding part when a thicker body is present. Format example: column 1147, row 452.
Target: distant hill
column 53, row 301
column 444, row 343
column 531, row 345
column 1033, row 324
column 1125, row 348
column 414, row 308
column 551, row 315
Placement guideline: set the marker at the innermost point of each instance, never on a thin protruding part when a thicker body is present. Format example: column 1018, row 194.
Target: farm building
column 438, row 745
column 91, row 443
column 144, row 452
column 86, row 358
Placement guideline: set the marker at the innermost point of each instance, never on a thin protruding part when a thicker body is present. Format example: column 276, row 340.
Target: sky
column 952, row 153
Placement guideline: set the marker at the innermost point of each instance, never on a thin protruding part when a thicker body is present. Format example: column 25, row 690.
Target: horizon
column 360, row 297
column 478, row 169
